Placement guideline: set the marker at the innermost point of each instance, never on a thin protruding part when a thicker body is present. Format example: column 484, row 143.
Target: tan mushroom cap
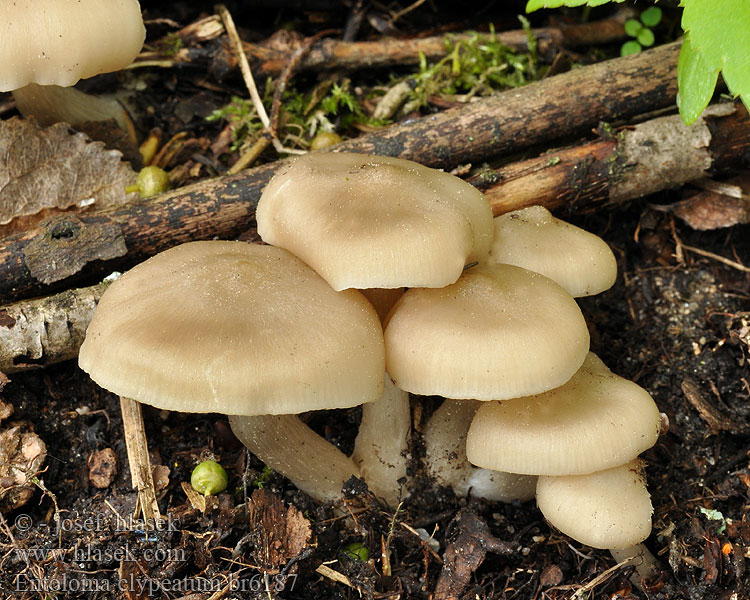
column 595, row 421
column 58, row 42
column 234, row 328
column 499, row 332
column 375, row 222
column 606, row 509
column 532, row 238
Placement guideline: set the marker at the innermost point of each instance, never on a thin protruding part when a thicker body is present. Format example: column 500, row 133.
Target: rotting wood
column 47, row 330
column 659, row 154
column 537, row 113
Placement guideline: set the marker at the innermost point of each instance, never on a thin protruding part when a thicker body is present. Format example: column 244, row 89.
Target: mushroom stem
column 381, row 446
column 50, row 104
column 138, row 459
column 288, row 446
column 646, row 564
column 445, row 457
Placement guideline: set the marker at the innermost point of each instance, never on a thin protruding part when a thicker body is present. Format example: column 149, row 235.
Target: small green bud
column 151, row 181
column 357, row 551
column 325, row 139
column 209, row 477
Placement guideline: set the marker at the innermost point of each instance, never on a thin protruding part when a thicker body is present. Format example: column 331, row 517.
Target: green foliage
column 476, row 66
column 641, row 31
column 262, row 479
column 716, row 40
column 243, row 118
column 533, row 5
column 718, row 35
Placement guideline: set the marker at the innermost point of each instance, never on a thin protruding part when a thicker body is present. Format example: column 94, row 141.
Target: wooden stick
column 270, row 57
column 138, row 459
column 655, row 155
column 69, row 248
column 35, row 333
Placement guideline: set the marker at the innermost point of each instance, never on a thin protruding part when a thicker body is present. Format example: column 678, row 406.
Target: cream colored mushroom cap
column 375, row 222
column 58, row 42
column 606, row 509
column 499, row 332
column 595, row 421
column 532, row 238
column 233, row 328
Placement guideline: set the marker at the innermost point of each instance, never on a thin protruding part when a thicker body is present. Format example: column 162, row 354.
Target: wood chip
column 102, row 468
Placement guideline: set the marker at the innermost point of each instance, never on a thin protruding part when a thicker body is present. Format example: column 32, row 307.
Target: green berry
column 325, row 139
column 357, row 551
column 209, row 477
column 151, row 181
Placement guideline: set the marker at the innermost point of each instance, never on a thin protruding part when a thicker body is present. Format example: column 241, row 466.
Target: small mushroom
column 366, row 221
column 595, row 421
column 499, row 332
column 609, row 509
column 534, row 239
column 244, row 330
column 49, row 45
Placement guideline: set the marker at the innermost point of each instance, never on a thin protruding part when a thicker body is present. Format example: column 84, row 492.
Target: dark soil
column 672, row 317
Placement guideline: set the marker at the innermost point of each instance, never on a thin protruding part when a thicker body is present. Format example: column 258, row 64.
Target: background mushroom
column 366, row 221
column 49, row 45
column 534, row 239
column 246, row 330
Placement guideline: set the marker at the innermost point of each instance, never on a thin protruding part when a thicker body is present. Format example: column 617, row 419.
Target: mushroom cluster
column 478, row 311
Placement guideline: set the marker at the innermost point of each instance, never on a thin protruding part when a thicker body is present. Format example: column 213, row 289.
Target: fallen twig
column 87, row 244
column 270, row 57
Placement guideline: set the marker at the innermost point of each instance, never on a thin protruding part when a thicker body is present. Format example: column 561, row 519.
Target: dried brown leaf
column 56, row 167
column 707, row 209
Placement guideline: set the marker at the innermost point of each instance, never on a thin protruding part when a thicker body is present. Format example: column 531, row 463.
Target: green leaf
column 651, row 17
column 633, row 27
column 646, row 37
column 719, row 31
column 696, row 81
column 533, row 5
column 631, row 47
